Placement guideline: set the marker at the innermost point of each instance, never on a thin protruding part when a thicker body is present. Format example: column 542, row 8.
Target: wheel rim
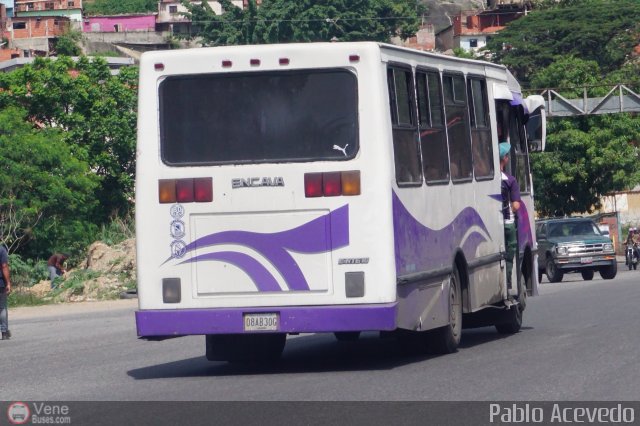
column 454, row 308
column 551, row 269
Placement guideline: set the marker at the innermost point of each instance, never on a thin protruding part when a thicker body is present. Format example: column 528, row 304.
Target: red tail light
column 331, row 184
column 184, row 190
column 313, row 185
column 203, row 188
column 283, row 61
column 199, row 190
column 226, row 63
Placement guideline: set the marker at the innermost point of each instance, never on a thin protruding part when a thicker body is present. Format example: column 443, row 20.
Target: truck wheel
column 587, row 275
column 347, row 336
column 609, row 272
column 245, row 348
column 553, row 272
column 445, row 340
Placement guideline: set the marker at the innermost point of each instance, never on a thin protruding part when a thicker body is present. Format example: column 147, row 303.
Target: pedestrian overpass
column 620, row 98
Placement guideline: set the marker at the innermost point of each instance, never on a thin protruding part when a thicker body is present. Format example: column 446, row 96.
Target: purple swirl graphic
column 419, row 248
column 323, row 234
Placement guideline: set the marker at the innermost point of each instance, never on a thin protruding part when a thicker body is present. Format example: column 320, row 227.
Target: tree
column 283, row 21
column 67, row 44
column 114, row 7
column 584, row 160
column 595, row 30
column 95, row 112
column 46, row 192
column 586, row 157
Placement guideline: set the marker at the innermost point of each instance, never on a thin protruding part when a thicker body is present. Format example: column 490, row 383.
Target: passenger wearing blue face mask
column 510, row 204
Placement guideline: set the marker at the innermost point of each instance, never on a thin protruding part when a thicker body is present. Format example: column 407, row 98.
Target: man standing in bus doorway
column 510, row 205
column 5, row 290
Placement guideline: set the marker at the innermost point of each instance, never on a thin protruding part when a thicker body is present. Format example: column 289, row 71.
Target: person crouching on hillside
column 56, row 266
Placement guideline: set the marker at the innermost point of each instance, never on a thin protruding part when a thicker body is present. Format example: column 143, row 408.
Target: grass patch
column 22, row 298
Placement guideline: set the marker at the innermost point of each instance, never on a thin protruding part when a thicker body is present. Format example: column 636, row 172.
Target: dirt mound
column 107, row 272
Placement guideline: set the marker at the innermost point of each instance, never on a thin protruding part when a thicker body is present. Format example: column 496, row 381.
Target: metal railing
column 620, row 98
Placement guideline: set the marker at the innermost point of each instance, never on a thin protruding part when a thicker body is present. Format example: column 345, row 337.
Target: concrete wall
column 110, row 24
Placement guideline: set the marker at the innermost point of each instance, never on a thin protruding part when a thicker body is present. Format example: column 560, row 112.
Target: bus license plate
column 267, row 321
column 586, row 260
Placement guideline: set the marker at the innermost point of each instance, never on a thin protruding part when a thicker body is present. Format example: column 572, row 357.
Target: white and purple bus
column 328, row 188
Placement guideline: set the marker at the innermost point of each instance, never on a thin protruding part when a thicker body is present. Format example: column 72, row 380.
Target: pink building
column 119, row 23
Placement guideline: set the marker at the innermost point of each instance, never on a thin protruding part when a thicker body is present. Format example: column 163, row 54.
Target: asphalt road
column 580, row 341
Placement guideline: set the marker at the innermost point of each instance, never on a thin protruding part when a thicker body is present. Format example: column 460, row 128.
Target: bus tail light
column 199, row 190
column 167, row 191
column 313, row 185
column 184, row 190
column 351, row 182
column 203, row 188
column 331, row 184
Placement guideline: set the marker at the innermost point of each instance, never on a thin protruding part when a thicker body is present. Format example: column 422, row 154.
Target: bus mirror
column 536, row 123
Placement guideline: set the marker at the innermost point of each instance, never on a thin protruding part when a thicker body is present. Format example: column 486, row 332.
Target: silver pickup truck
column 573, row 245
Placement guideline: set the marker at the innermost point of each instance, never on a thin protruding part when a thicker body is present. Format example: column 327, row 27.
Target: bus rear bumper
column 292, row 319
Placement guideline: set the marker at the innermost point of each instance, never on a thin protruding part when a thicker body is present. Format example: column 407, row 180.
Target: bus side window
column 403, row 121
column 518, row 140
column 455, row 107
column 480, row 130
column 433, row 139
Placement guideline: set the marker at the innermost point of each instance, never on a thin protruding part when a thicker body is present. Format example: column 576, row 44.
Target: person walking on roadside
column 5, row 290
column 510, row 204
column 56, row 266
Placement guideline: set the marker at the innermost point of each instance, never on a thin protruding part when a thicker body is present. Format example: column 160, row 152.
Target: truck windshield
column 258, row 117
column 567, row 229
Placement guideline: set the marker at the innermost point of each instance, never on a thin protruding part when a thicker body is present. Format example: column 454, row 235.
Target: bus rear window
column 258, row 117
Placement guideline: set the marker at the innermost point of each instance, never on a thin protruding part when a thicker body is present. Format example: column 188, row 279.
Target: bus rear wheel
column 347, row 336
column 245, row 348
column 445, row 340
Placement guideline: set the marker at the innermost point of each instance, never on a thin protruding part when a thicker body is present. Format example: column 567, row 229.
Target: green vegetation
column 285, row 21
column 116, row 7
column 593, row 30
column 67, row 44
column 67, row 151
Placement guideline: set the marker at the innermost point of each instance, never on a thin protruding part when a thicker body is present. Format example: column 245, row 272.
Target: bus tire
column 245, row 348
column 445, row 340
column 554, row 273
column 511, row 319
column 347, row 336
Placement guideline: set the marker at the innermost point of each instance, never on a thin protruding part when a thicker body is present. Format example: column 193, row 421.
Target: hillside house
column 119, row 23
column 471, row 30
column 8, row 5
column 171, row 15
column 68, row 9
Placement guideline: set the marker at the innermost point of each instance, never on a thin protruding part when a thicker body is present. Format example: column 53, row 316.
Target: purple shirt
column 510, row 193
